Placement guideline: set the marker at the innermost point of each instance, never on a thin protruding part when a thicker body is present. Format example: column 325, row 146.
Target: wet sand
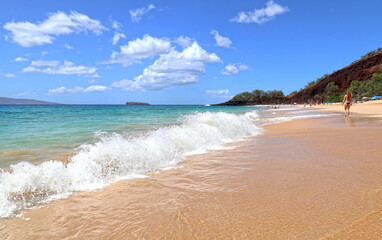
column 303, row 179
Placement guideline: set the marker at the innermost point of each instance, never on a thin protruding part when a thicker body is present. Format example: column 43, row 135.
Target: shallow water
column 50, row 152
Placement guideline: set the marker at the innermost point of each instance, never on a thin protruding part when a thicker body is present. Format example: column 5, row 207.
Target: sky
column 176, row 52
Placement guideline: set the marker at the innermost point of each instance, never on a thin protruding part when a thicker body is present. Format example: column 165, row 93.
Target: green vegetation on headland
column 257, row 97
column 371, row 87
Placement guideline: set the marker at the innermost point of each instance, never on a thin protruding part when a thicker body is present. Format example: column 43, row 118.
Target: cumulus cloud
column 20, row 59
column 54, row 67
column 63, row 90
column 261, row 15
column 171, row 69
column 139, row 49
column 29, row 34
column 136, row 14
column 117, row 36
column 220, row 40
column 231, row 69
column 219, row 93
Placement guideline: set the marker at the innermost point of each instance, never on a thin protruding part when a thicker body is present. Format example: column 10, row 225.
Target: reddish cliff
column 360, row 70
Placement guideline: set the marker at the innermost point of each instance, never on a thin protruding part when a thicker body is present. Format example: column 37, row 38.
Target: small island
column 136, row 103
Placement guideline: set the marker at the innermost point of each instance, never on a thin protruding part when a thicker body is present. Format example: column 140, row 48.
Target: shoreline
column 371, row 108
column 295, row 180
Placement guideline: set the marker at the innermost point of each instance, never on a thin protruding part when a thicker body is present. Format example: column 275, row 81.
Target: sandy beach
column 303, row 179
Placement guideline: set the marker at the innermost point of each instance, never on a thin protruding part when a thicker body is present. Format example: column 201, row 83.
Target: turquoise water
column 49, row 152
column 38, row 133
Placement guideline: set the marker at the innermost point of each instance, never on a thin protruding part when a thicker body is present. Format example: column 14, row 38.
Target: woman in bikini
column 348, row 99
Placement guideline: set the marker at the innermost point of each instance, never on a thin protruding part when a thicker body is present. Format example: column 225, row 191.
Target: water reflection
column 350, row 121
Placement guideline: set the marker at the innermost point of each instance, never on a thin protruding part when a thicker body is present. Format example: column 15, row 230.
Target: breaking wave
column 120, row 156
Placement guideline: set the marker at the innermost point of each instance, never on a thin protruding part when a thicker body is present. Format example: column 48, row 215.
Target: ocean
column 49, row 152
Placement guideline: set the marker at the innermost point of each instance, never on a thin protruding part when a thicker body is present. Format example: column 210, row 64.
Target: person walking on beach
column 348, row 99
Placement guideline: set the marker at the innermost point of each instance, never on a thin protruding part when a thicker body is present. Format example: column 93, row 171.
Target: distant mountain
column 15, row 101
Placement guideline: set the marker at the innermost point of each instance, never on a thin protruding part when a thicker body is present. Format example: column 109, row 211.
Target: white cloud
column 68, row 47
column 220, row 40
column 140, row 49
column 54, row 67
column 117, row 36
column 116, row 25
column 261, row 15
column 43, row 53
column 95, row 75
column 184, row 41
column 231, row 69
column 219, row 93
column 63, row 90
column 9, row 75
column 28, row 34
column 171, row 69
column 96, row 88
column 20, row 59
column 91, row 81
column 136, row 14
column 47, row 63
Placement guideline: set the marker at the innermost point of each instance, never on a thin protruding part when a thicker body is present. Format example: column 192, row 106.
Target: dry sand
column 303, row 179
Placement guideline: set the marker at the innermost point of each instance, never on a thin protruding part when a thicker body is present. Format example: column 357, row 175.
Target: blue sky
column 176, row 52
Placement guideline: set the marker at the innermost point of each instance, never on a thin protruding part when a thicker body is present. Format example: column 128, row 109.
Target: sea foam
column 113, row 157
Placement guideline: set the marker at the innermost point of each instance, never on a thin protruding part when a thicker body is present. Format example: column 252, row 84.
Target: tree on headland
column 331, row 89
column 331, row 92
column 371, row 53
column 367, row 88
column 310, row 84
column 244, row 96
column 258, row 96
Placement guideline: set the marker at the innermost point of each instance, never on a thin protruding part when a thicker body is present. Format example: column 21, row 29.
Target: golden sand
column 304, row 179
